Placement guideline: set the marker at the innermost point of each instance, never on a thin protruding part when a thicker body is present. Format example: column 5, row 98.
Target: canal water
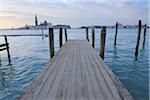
column 30, row 55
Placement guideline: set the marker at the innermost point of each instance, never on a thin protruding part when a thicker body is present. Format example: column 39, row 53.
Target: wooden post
column 7, row 46
column 87, row 34
column 0, row 59
column 93, row 38
column 103, row 38
column 42, row 34
column 60, row 37
column 138, row 38
column 116, row 32
column 51, row 42
column 145, row 26
column 66, row 35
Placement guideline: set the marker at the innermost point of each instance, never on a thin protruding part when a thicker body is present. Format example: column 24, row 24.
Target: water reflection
column 132, row 72
column 115, row 53
column 6, row 74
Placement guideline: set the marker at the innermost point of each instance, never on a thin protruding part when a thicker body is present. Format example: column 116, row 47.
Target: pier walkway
column 76, row 72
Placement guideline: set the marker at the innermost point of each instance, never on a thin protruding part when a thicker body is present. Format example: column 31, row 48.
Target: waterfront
column 31, row 54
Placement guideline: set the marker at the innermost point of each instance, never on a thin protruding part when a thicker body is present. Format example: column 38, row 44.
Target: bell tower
column 36, row 20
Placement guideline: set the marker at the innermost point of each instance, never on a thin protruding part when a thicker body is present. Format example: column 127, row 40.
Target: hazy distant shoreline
column 77, row 28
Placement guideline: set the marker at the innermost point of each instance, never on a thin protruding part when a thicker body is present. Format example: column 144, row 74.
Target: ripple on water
column 29, row 60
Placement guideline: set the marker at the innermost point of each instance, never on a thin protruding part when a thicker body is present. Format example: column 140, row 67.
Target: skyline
column 73, row 12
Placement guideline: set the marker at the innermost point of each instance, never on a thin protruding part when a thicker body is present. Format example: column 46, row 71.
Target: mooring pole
column 145, row 26
column 87, row 34
column 103, row 39
column 138, row 38
column 116, row 32
column 93, row 37
column 66, row 35
column 60, row 37
column 7, row 46
column 0, row 59
column 42, row 34
column 51, row 42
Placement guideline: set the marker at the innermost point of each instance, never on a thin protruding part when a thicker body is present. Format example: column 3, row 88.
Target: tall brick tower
column 36, row 20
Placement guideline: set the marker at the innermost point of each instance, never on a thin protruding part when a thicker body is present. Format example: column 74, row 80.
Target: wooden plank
column 123, row 92
column 1, row 49
column 3, row 45
column 43, row 77
column 76, row 72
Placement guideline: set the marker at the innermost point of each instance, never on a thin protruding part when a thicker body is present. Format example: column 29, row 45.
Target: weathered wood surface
column 66, row 37
column 102, row 43
column 76, row 72
column 93, row 37
column 87, row 33
column 51, row 42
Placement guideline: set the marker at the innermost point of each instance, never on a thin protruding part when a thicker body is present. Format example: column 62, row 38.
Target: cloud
column 75, row 12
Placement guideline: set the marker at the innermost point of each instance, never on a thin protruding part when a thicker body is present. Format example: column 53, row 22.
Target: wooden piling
column 87, row 34
column 51, row 42
column 145, row 26
column 7, row 46
column 103, row 39
column 0, row 59
column 93, row 38
column 60, row 38
column 138, row 38
column 42, row 34
column 66, row 38
column 116, row 32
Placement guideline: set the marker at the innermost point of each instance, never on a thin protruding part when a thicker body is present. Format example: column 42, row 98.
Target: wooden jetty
column 76, row 72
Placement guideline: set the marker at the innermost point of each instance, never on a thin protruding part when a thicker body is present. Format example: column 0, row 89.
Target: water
column 31, row 54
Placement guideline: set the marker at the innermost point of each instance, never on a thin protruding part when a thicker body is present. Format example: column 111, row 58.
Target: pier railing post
column 116, row 32
column 87, row 34
column 60, row 37
column 138, row 38
column 93, row 37
column 51, row 42
column 145, row 26
column 66, row 38
column 103, row 39
column 7, row 46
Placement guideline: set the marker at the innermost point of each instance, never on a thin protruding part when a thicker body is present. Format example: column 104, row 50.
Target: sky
column 17, row 13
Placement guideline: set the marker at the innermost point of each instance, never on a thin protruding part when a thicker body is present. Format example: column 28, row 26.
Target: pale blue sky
column 17, row 13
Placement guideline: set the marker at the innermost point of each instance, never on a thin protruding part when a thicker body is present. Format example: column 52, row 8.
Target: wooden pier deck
column 76, row 72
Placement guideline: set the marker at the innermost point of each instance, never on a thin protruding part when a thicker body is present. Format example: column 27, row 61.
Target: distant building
column 61, row 26
column 44, row 25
